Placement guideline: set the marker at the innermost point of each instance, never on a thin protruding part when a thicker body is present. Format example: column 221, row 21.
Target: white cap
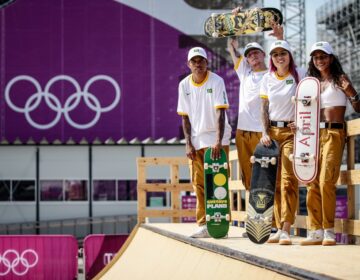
column 197, row 51
column 251, row 46
column 322, row 46
column 280, row 44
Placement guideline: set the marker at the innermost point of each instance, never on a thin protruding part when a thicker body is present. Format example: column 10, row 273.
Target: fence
column 238, row 195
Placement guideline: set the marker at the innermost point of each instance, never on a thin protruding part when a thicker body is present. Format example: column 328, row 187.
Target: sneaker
column 201, row 232
column 245, row 234
column 275, row 237
column 329, row 237
column 284, row 238
column 315, row 237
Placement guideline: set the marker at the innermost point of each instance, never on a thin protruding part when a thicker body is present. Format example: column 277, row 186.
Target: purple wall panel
column 82, row 39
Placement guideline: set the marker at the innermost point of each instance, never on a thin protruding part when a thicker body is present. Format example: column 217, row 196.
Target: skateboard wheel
column 225, row 165
column 252, row 159
column 293, row 99
column 227, row 217
column 267, row 220
column 312, row 157
column 247, row 217
column 215, row 34
column 206, row 166
column 273, row 160
column 291, row 157
column 314, row 98
column 208, row 218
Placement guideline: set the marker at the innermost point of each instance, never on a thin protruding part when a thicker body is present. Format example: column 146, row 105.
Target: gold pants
column 321, row 196
column 246, row 142
column 286, row 194
column 197, row 175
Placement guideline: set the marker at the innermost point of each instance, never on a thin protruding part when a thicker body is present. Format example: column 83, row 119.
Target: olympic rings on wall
column 91, row 101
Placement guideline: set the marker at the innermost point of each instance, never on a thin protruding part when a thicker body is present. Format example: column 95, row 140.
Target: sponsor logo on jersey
column 289, row 82
column 209, row 90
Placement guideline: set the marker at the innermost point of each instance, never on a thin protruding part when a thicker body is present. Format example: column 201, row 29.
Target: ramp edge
column 281, row 268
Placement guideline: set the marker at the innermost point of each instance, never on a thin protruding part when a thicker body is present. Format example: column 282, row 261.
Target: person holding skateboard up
column 336, row 89
column 250, row 69
column 202, row 103
column 277, row 114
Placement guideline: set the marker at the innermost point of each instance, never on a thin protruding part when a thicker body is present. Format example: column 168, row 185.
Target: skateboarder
column 336, row 89
column 250, row 69
column 202, row 103
column 277, row 88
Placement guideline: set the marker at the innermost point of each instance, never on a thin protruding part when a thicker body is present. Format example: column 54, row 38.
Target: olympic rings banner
column 30, row 257
column 94, row 69
column 99, row 250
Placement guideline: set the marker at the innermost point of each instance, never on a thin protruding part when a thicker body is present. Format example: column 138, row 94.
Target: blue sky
column 310, row 6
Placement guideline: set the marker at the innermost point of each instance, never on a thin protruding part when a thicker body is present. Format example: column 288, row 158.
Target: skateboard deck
column 262, row 191
column 216, row 195
column 306, row 139
column 245, row 22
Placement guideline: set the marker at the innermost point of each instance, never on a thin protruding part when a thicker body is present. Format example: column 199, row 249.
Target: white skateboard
column 306, row 139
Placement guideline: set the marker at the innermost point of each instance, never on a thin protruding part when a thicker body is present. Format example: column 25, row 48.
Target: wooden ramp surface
column 164, row 251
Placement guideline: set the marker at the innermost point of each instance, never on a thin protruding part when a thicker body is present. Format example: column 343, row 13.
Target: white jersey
column 199, row 102
column 249, row 117
column 279, row 91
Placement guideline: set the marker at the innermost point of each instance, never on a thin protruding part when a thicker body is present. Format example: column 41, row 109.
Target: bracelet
column 354, row 98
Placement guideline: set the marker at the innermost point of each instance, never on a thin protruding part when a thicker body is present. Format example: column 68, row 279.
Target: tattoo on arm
column 186, row 128
column 220, row 113
column 265, row 115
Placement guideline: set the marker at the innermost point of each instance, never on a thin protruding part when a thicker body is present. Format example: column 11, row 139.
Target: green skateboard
column 216, row 195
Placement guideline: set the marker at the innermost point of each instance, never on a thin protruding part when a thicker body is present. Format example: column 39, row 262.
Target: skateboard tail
column 257, row 227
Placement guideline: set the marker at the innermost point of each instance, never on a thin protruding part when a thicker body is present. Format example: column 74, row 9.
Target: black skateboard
column 262, row 191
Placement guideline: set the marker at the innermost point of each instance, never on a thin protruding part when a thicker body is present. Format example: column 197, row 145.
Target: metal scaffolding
column 294, row 17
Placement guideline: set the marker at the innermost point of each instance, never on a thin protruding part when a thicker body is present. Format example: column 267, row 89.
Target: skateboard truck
column 306, row 101
column 217, row 217
column 258, row 218
column 304, row 157
column 215, row 167
column 264, row 161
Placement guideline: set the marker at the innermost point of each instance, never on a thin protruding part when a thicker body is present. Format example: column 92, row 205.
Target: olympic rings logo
column 15, row 262
column 91, row 101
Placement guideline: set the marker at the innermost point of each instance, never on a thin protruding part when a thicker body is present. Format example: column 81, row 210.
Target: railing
column 79, row 227
column 238, row 195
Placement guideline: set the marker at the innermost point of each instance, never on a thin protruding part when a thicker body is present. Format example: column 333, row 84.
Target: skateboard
column 216, row 195
column 306, row 139
column 262, row 191
column 245, row 22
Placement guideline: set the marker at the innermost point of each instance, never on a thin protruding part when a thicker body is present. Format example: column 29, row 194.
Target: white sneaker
column 284, row 238
column 315, row 237
column 329, row 237
column 275, row 237
column 201, row 232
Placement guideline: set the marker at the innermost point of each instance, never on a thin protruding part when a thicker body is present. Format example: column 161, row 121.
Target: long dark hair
column 336, row 69
column 292, row 68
